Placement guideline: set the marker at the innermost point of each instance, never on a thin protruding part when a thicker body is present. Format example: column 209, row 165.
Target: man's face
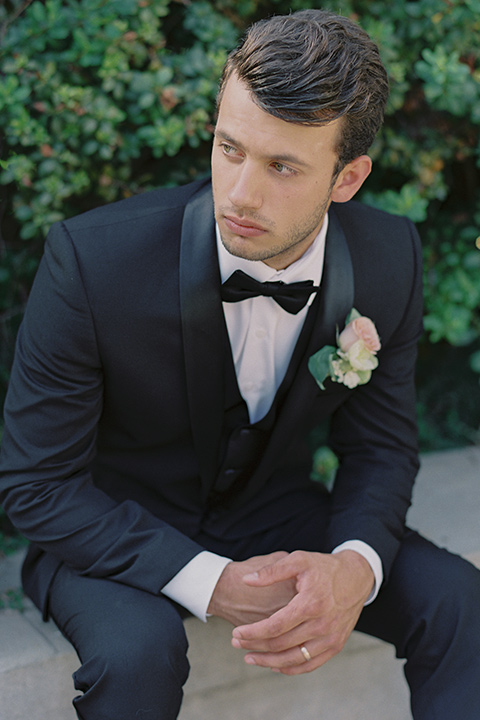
column 272, row 180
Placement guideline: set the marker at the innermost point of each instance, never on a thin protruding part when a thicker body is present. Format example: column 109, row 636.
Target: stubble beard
column 286, row 246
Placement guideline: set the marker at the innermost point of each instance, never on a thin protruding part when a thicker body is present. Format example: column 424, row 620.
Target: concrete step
column 36, row 662
column 358, row 684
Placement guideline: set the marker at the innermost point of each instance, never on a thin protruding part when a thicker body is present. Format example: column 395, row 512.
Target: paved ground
column 365, row 682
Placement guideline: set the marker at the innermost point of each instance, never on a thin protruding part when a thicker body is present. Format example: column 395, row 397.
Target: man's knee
column 430, row 592
column 148, row 646
column 139, row 668
column 132, row 646
column 435, row 580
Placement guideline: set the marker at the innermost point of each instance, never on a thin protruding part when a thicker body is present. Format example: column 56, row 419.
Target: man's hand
column 241, row 603
column 330, row 593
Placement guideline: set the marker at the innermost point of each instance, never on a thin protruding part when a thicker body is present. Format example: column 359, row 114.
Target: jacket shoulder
column 386, row 257
column 136, row 208
column 356, row 216
column 377, row 236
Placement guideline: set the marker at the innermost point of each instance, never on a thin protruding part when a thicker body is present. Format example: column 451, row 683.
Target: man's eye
column 282, row 169
column 228, row 149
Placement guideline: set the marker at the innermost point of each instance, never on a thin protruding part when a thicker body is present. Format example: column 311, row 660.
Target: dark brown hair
column 312, row 67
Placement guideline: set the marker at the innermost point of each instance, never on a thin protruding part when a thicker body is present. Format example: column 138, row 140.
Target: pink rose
column 363, row 329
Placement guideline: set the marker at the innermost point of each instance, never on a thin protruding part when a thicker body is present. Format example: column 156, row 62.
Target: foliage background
column 100, row 99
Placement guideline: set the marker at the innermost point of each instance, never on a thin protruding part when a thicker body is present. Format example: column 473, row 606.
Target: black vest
column 243, row 442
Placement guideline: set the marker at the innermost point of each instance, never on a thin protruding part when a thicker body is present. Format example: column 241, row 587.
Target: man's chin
column 242, row 248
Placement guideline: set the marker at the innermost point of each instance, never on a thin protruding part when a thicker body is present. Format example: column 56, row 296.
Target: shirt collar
column 308, row 267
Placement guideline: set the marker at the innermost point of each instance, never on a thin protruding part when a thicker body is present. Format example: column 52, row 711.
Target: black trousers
column 132, row 645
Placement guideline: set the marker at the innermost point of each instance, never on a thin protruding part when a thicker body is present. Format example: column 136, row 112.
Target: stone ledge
column 36, row 664
column 358, row 684
column 35, row 682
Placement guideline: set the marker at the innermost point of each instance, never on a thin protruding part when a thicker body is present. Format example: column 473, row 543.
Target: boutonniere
column 352, row 362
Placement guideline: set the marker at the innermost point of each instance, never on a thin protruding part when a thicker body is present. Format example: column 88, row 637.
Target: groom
column 161, row 413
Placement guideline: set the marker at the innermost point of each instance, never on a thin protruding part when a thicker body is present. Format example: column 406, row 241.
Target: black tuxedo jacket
column 115, row 406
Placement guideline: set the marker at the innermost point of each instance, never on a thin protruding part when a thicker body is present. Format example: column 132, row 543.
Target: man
column 154, row 431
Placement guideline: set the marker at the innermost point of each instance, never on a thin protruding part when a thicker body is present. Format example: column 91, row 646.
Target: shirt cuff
column 371, row 557
column 194, row 584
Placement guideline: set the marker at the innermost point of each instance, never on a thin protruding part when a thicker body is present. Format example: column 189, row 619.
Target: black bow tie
column 292, row 297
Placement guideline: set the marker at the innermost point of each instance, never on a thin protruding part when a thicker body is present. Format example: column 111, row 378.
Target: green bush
column 100, row 99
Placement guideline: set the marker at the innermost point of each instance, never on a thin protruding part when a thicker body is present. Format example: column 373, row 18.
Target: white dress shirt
column 262, row 338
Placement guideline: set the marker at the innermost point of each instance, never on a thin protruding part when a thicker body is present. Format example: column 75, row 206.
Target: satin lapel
column 203, row 330
column 337, row 293
column 331, row 307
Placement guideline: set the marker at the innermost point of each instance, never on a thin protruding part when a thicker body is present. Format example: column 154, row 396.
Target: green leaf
column 324, row 466
column 407, row 201
column 352, row 315
column 475, row 362
column 319, row 364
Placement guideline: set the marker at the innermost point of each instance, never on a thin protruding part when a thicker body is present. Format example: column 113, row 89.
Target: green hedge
column 100, row 99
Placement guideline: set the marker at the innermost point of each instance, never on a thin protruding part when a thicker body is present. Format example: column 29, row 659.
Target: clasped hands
column 282, row 602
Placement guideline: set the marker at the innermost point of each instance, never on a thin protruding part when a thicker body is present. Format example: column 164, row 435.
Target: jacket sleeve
column 52, row 410
column 374, row 432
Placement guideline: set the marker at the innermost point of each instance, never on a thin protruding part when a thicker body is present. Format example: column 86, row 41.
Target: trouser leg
column 430, row 611
column 132, row 646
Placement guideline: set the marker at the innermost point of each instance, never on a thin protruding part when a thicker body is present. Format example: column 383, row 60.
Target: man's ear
column 351, row 179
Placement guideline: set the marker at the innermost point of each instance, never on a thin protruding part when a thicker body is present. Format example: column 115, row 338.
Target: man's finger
column 277, row 624
column 293, row 638
column 293, row 662
column 283, row 569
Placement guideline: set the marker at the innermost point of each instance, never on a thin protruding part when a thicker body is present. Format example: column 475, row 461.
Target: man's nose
column 246, row 191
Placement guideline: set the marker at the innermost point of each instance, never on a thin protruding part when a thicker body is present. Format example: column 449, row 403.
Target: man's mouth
column 243, row 226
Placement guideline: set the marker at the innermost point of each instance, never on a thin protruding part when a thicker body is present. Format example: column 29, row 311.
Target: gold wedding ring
column 305, row 653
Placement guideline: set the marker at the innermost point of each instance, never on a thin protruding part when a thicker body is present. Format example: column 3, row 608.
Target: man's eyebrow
column 220, row 133
column 281, row 157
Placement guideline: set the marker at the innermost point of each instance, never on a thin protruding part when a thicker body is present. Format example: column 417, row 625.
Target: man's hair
column 312, row 67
